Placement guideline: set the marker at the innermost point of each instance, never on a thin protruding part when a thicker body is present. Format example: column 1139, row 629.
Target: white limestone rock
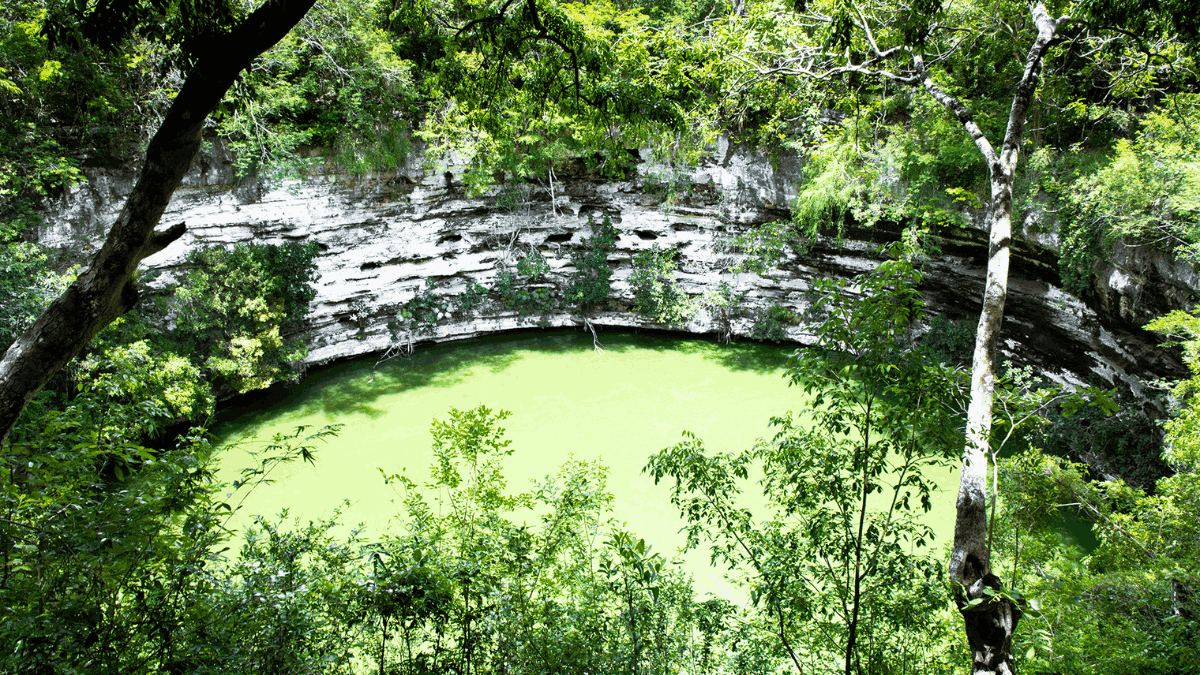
column 382, row 236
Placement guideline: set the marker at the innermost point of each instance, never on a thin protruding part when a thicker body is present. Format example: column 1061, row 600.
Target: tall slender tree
column 912, row 44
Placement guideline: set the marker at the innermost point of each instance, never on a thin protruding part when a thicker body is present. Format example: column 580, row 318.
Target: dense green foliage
column 1110, row 137
column 950, row 341
column 471, row 590
column 357, row 84
column 1127, row 606
column 769, row 323
column 656, row 293
column 110, row 546
column 104, row 540
column 240, row 312
column 27, row 285
column 341, row 82
column 835, row 565
column 589, row 286
column 1146, row 192
column 232, row 321
column 1183, row 430
column 1126, row 444
column 59, row 113
column 114, row 563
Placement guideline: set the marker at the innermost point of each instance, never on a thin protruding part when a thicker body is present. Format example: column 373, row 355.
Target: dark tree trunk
column 105, row 289
column 990, row 626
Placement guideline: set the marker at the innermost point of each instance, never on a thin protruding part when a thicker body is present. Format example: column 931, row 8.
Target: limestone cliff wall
column 382, row 236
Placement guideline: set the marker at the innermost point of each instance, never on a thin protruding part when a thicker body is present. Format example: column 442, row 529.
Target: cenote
column 567, row 400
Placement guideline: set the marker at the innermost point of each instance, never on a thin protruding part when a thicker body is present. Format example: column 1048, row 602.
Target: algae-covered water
column 567, row 400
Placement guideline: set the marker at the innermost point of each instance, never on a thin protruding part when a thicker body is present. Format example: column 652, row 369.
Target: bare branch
column 957, row 109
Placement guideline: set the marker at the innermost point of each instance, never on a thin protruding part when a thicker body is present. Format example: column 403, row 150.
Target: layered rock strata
column 383, row 237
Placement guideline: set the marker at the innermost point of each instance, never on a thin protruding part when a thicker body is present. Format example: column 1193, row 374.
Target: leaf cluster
column 1145, row 192
column 657, row 295
column 28, row 284
column 241, row 311
column 842, row 484
column 589, row 285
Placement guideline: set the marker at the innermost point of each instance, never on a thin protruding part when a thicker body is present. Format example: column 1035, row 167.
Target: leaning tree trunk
column 989, row 617
column 990, row 624
column 105, row 290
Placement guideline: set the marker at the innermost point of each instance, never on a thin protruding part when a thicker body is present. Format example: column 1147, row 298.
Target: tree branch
column 957, row 109
column 104, row 290
column 1023, row 96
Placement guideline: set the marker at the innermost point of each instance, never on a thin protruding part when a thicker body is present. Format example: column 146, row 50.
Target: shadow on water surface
column 354, row 387
column 754, row 357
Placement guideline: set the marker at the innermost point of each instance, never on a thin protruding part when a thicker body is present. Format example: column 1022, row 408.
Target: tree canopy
column 925, row 116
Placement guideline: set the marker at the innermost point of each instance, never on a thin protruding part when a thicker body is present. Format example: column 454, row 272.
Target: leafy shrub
column 724, row 304
column 767, row 245
column 234, row 322
column 516, row 290
column 174, row 382
column 423, row 310
column 474, row 295
column 461, row 573
column 1128, row 444
column 532, row 265
column 114, row 562
column 1128, row 603
column 240, row 312
column 769, row 323
column 294, row 600
column 103, row 538
column 427, row 305
column 27, row 286
column 951, row 342
column 1147, row 192
column 656, row 294
column 360, row 312
column 526, row 301
column 588, row 286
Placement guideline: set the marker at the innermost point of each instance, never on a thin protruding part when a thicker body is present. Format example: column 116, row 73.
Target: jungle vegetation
column 114, row 551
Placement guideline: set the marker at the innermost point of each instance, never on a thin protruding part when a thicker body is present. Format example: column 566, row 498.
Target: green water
column 619, row 406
